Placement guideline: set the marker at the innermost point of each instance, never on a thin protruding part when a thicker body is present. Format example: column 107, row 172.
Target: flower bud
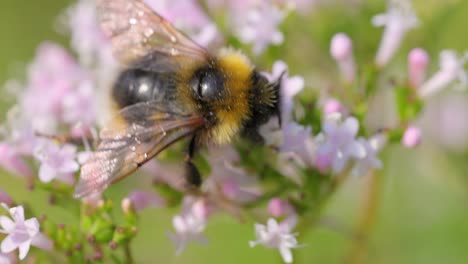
column 127, row 206
column 332, row 106
column 277, row 207
column 5, row 198
column 411, row 137
column 418, row 60
column 341, row 49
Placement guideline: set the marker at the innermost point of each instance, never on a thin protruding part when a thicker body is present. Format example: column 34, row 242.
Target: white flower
column 451, row 69
column 21, row 233
column 398, row 20
column 337, row 145
column 274, row 235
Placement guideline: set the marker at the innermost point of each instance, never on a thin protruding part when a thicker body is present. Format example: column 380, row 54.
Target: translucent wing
column 139, row 133
column 136, row 31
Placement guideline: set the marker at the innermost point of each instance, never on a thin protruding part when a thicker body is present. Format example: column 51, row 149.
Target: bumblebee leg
column 192, row 175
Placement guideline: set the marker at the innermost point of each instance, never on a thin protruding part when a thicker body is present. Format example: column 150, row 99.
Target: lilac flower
column 8, row 258
column 341, row 49
column 369, row 161
column 21, row 233
column 141, row 200
column 79, row 105
column 290, row 87
column 337, row 145
column 274, row 235
column 87, row 38
column 418, row 60
column 52, row 75
column 399, row 19
column 451, row 69
column 57, row 162
column 190, row 224
column 258, row 23
column 297, row 139
column 292, row 134
column 12, row 161
column 411, row 137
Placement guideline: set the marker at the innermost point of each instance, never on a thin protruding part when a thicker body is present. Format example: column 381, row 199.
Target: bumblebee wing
column 139, row 133
column 136, row 31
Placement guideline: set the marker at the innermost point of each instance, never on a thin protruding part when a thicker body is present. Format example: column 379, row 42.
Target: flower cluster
column 319, row 139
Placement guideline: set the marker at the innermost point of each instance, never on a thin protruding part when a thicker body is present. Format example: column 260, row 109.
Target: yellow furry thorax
column 234, row 109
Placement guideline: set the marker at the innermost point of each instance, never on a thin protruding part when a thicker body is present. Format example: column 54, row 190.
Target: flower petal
column 42, row 242
column 286, row 254
column 8, row 245
column 46, row 173
column 17, row 213
column 24, row 249
column 32, row 226
column 7, row 224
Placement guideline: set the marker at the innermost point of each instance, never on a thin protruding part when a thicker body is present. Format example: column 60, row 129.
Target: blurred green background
column 422, row 213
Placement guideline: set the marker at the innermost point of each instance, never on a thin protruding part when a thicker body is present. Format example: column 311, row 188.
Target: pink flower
column 57, row 162
column 21, row 233
column 418, row 60
column 274, row 235
column 12, row 161
column 52, row 75
column 399, row 19
column 451, row 69
column 341, row 49
column 411, row 137
column 258, row 24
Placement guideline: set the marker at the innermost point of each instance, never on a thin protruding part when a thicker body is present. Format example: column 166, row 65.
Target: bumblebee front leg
column 192, row 175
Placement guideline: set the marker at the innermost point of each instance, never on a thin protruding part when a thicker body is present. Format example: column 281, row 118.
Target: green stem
column 359, row 250
column 128, row 254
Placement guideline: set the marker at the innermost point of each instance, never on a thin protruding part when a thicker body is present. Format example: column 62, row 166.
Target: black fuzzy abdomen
column 136, row 85
column 264, row 103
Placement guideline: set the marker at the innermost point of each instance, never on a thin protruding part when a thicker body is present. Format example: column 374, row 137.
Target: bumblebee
column 171, row 89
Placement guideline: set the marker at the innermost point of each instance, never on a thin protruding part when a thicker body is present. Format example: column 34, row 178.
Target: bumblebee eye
column 207, row 85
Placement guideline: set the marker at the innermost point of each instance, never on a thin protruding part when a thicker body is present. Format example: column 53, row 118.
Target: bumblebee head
column 231, row 95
